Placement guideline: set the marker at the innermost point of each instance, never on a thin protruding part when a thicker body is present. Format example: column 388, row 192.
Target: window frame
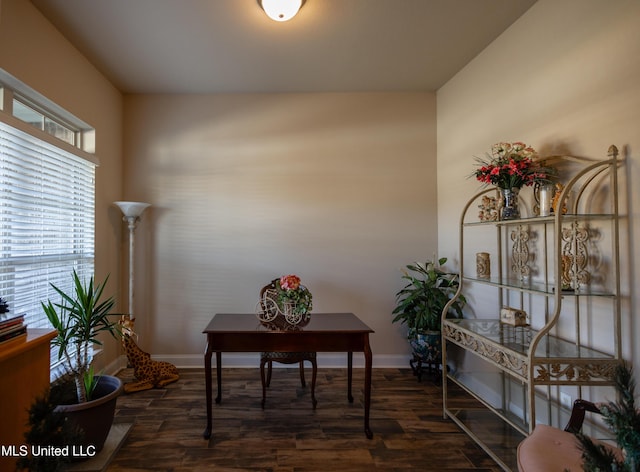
column 11, row 89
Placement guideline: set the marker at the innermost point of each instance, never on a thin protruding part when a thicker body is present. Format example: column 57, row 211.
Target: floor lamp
column 132, row 212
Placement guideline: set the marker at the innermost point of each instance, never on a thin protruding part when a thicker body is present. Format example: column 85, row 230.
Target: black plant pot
column 95, row 417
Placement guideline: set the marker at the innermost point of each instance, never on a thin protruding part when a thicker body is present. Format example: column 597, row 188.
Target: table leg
column 349, row 376
column 368, row 358
column 207, row 382
column 219, row 375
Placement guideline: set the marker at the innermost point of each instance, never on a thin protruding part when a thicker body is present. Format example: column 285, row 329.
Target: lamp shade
column 132, row 209
column 280, row 10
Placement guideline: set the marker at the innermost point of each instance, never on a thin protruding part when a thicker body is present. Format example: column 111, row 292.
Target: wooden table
column 24, row 375
column 325, row 332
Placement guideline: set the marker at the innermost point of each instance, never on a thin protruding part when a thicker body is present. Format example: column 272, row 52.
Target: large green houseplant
column 420, row 303
column 79, row 317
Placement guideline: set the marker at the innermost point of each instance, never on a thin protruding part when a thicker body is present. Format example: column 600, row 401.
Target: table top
column 318, row 323
column 21, row 344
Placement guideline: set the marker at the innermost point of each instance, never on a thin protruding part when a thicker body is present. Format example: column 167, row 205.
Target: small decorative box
column 513, row 316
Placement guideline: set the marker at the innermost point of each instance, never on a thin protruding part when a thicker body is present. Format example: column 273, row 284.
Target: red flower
column 511, row 165
column 289, row 282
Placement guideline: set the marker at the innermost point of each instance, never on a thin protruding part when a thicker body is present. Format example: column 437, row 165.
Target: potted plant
column 87, row 399
column 419, row 305
column 623, row 419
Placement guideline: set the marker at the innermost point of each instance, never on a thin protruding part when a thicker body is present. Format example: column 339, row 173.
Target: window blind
column 47, row 220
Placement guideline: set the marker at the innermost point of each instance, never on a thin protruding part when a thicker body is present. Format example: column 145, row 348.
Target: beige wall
column 33, row 51
column 337, row 188
column 563, row 78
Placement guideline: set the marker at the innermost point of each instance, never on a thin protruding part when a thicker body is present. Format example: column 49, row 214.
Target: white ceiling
column 231, row 46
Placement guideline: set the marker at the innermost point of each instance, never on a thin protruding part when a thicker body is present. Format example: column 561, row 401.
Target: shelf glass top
column 518, row 339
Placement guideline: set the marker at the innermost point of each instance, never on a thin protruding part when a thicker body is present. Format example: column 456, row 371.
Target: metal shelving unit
column 560, row 269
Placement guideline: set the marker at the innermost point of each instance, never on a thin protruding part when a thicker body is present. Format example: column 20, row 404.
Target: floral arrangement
column 292, row 292
column 511, row 165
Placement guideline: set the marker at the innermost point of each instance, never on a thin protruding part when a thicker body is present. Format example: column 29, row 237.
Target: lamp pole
column 132, row 213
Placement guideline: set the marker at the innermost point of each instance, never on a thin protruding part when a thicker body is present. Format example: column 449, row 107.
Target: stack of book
column 11, row 327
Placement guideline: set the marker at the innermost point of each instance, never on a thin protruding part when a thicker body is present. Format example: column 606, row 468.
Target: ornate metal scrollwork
column 498, row 354
column 520, row 252
column 575, row 256
column 578, row 373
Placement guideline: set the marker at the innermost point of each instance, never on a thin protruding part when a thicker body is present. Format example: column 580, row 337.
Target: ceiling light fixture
column 281, row 10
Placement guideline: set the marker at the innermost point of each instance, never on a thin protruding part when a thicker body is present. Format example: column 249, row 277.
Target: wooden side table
column 24, row 375
column 326, row 332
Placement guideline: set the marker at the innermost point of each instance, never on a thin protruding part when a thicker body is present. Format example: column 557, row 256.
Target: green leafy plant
column 48, row 428
column 419, row 304
column 79, row 317
column 291, row 291
column 90, row 382
column 623, row 419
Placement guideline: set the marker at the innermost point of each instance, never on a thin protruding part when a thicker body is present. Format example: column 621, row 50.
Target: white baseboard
column 252, row 360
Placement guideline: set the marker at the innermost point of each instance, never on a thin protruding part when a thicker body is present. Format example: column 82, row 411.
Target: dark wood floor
column 288, row 435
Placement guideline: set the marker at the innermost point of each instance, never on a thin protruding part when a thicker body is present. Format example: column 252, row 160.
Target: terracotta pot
column 95, row 417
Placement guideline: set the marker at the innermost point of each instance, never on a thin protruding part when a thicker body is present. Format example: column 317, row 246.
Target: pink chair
column 550, row 449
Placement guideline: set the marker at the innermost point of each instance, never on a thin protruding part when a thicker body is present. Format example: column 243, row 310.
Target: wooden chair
column 268, row 358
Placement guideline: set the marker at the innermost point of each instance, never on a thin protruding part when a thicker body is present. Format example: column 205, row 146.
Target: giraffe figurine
column 149, row 373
